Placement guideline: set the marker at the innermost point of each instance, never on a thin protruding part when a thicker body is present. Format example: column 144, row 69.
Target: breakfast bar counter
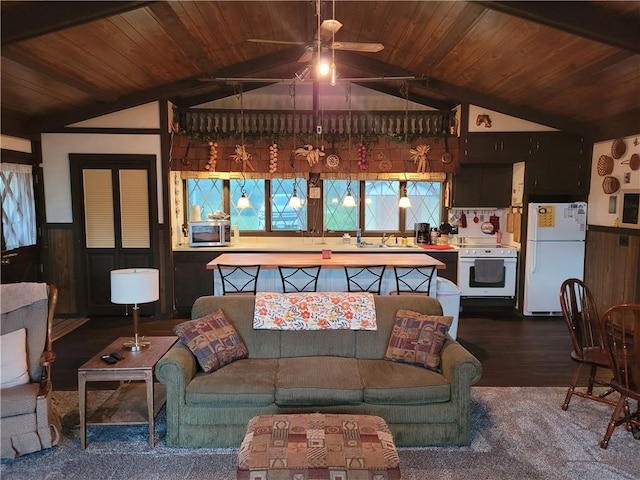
column 337, row 260
column 332, row 276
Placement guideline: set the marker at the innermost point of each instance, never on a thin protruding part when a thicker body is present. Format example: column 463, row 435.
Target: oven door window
column 474, row 283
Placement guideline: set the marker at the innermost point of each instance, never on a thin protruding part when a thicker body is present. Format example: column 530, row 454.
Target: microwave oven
column 214, row 233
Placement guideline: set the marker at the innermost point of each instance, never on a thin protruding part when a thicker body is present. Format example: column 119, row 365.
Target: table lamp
column 132, row 286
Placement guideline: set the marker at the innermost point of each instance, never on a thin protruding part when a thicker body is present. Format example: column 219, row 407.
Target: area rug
column 517, row 433
column 63, row 326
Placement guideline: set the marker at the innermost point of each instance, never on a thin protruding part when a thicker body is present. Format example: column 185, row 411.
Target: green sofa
column 338, row 371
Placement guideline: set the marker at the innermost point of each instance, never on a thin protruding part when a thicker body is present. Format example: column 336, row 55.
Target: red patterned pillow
column 213, row 340
column 417, row 339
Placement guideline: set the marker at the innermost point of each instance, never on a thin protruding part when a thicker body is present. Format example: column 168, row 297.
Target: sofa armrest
column 459, row 365
column 176, row 369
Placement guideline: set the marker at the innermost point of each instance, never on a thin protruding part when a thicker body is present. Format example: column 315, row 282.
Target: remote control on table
column 108, row 359
column 116, row 355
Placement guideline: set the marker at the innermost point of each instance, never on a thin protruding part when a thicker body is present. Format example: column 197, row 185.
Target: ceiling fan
column 325, row 39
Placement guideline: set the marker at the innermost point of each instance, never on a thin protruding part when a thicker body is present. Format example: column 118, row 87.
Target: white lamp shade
column 404, row 202
column 135, row 285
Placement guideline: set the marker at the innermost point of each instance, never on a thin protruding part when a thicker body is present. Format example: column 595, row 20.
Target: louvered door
column 115, row 219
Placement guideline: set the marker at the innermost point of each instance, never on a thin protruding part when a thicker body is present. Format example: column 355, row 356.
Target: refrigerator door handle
column 534, row 257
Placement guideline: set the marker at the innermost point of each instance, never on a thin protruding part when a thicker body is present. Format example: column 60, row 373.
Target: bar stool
column 299, row 279
column 413, row 280
column 237, row 279
column 365, row 279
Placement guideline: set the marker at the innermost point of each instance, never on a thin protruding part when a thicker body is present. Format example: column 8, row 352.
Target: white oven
column 487, row 271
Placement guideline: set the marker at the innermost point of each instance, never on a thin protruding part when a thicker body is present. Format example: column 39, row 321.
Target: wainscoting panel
column 612, row 265
column 61, row 262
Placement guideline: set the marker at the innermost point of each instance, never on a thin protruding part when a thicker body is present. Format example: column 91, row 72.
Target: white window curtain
column 18, row 205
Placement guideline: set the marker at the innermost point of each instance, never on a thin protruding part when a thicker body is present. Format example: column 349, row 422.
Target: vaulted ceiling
column 570, row 65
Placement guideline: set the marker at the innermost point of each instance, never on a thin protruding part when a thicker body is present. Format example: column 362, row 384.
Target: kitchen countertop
column 316, row 244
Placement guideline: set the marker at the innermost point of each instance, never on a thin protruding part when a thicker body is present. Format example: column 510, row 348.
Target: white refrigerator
column 554, row 252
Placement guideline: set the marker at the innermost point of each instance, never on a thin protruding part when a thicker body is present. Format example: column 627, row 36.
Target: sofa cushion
column 245, row 382
column 13, row 359
column 417, row 338
column 213, row 340
column 391, row 383
column 318, row 381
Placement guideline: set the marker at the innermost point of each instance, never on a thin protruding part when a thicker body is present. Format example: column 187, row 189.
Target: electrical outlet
column 314, row 192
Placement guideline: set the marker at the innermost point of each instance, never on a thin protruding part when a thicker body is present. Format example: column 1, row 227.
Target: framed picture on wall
column 613, row 202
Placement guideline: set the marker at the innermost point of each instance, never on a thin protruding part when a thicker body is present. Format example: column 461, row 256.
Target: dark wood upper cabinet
column 483, row 186
column 495, row 148
column 559, row 164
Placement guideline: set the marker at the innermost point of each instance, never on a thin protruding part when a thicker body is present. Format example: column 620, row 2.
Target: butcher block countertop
column 337, row 260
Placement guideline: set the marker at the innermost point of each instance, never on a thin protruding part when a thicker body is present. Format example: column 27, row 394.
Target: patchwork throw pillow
column 417, row 338
column 213, row 340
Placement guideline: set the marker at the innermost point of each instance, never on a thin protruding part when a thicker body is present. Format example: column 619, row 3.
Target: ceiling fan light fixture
column 324, row 68
column 334, row 75
column 303, row 74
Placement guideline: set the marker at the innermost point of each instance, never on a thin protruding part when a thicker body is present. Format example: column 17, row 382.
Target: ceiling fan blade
column 357, row 46
column 328, row 28
column 277, row 42
column 307, row 56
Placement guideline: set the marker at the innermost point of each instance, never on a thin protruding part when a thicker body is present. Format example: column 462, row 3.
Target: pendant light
column 294, row 201
column 404, row 201
column 243, row 201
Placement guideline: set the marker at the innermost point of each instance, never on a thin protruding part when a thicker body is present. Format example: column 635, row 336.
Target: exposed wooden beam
column 179, row 88
column 223, row 91
column 159, row 93
column 470, row 14
column 56, row 75
column 465, row 95
column 585, row 19
column 421, row 99
column 32, row 19
column 624, row 125
column 171, row 23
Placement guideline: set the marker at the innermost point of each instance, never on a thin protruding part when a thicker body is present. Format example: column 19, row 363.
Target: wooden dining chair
column 621, row 332
column 413, row 280
column 581, row 315
column 299, row 279
column 239, row 279
column 365, row 279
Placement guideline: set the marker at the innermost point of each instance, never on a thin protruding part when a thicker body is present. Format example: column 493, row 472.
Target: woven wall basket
column 618, row 148
column 605, row 165
column 610, row 185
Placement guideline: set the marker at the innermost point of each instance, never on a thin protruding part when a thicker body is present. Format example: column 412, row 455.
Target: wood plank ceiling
column 571, row 65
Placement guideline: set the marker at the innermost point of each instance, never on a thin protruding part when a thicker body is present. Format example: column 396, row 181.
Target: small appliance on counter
column 213, row 233
column 422, row 233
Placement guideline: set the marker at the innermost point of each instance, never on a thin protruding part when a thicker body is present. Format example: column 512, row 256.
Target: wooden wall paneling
column 612, row 270
column 61, row 261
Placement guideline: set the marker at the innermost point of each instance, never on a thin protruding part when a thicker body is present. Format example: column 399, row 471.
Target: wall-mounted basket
column 605, row 165
column 618, row 148
column 610, row 185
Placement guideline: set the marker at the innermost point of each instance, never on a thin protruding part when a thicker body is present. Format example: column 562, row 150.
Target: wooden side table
column 128, row 404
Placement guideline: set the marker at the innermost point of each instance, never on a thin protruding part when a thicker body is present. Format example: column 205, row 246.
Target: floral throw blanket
column 314, row 311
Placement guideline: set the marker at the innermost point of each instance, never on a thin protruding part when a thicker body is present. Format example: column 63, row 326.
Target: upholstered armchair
column 28, row 420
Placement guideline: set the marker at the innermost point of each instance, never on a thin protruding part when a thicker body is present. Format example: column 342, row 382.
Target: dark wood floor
column 513, row 350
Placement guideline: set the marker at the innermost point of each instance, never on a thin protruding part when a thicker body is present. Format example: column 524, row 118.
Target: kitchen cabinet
column 495, row 148
column 558, row 165
column 482, row 186
column 191, row 277
column 450, row 259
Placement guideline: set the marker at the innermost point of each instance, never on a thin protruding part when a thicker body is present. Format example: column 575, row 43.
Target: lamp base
column 135, row 346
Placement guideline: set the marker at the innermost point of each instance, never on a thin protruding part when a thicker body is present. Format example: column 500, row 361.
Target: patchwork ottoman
column 318, row 446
